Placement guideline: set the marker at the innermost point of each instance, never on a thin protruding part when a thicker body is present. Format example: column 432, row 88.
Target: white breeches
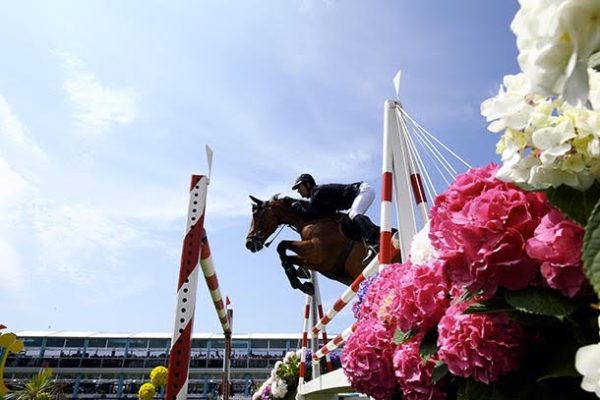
column 363, row 200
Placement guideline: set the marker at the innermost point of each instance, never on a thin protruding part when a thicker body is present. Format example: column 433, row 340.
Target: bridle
column 258, row 238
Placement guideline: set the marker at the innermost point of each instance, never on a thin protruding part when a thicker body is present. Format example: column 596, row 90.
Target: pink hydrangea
column 481, row 346
column 466, row 187
column 414, row 374
column 557, row 244
column 380, row 286
column 367, row 360
column 481, row 225
column 408, row 297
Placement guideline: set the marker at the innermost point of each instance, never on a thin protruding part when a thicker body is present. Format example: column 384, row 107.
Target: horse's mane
column 286, row 199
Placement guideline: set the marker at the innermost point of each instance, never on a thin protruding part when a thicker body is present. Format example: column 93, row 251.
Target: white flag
column 209, row 157
column 397, row 82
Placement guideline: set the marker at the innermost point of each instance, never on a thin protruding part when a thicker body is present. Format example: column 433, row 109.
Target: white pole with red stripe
column 210, row 275
column 314, row 340
column 350, row 292
column 387, row 179
column 225, row 381
column 416, row 182
column 334, row 344
column 302, row 369
column 181, row 341
column 401, row 181
column 346, row 296
column 328, row 364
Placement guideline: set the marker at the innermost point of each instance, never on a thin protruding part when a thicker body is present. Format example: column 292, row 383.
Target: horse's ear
column 256, row 201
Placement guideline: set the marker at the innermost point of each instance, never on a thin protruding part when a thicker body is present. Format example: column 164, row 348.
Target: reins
column 267, row 244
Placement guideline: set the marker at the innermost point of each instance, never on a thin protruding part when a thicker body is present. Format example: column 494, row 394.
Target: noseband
column 258, row 239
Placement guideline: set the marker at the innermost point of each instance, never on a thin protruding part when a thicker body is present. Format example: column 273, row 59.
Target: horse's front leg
column 287, row 262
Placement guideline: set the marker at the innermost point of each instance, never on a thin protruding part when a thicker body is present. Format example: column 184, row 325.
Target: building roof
column 153, row 335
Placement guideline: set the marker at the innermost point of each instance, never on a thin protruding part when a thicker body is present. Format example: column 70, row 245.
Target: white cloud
column 307, row 6
column 80, row 242
column 12, row 191
column 98, row 107
column 14, row 134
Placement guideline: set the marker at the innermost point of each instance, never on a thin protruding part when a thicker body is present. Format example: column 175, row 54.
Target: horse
column 323, row 246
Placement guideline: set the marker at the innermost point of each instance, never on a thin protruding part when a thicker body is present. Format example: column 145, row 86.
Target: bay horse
column 322, row 248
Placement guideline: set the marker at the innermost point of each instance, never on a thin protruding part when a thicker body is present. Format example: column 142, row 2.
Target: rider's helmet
column 304, row 178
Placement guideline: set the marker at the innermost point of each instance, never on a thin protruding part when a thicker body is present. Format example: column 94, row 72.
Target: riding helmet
column 304, row 178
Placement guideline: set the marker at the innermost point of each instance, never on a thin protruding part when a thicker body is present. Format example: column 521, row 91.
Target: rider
column 332, row 197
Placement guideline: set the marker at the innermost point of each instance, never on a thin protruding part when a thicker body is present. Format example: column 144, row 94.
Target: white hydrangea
column 546, row 142
column 275, row 368
column 555, row 40
column 278, row 388
column 595, row 89
column 421, row 249
column 587, row 363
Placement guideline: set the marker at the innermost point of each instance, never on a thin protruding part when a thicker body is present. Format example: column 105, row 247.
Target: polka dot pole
column 181, row 341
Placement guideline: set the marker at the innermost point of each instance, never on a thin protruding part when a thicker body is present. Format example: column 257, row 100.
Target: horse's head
column 264, row 222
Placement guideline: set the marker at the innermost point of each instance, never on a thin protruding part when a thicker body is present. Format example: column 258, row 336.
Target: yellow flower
column 159, row 376
column 146, row 391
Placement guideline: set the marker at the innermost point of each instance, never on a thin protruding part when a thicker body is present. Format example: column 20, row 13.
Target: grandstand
column 98, row 365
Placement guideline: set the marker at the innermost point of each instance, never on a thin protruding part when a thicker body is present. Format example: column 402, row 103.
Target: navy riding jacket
column 327, row 199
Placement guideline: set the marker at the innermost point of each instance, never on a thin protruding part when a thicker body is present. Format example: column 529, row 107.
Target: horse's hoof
column 308, row 288
column 303, row 273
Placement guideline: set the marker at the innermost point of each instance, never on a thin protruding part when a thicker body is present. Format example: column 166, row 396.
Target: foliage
column 283, row 382
column 41, row 387
column 499, row 312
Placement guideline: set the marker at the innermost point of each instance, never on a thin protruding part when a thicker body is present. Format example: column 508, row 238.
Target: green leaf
column 401, row 336
column 540, row 301
column 565, row 369
column 591, row 249
column 527, row 187
column 495, row 304
column 575, row 204
column 428, row 345
column 439, row 371
column 472, row 390
column 467, row 295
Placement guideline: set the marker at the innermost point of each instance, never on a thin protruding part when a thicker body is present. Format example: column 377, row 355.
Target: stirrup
column 372, row 252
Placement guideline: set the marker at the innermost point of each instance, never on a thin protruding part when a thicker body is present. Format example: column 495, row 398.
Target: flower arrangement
column 497, row 310
column 499, row 298
column 158, row 379
column 283, row 382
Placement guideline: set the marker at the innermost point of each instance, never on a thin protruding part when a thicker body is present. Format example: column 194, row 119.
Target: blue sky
column 106, row 106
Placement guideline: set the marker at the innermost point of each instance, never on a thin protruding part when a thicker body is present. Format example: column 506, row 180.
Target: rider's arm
column 302, row 208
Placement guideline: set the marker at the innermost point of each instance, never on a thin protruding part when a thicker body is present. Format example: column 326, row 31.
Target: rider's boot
column 369, row 231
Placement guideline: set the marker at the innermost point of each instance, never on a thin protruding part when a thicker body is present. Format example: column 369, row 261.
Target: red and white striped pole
column 210, row 275
column 302, row 369
column 328, row 365
column 334, row 344
column 181, row 341
column 415, row 177
column 227, row 356
column 350, row 292
column 346, row 296
column 387, row 179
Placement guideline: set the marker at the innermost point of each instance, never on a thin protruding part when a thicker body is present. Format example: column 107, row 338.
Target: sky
column 106, row 108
